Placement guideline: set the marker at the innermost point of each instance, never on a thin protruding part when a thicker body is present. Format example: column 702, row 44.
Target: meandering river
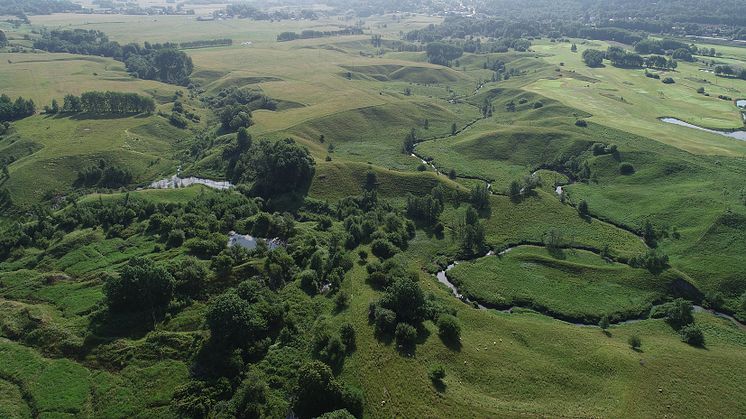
column 442, row 277
column 738, row 135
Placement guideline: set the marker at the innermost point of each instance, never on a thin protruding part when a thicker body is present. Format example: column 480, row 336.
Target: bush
column 692, row 335
column 538, row 105
column 141, row 285
column 383, row 248
column 583, row 208
column 347, row 334
column 342, row 300
column 449, row 328
column 406, row 334
column 678, row 313
column 175, row 238
column 363, row 255
column 634, row 342
column 604, row 322
column 309, row 281
column 437, row 373
column 385, row 320
column 626, row 168
column 668, row 80
column 581, row 123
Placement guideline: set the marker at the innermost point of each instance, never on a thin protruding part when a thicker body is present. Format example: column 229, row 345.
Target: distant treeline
column 206, row 43
column 247, row 11
column 36, row 7
column 11, row 110
column 161, row 62
column 307, row 34
column 108, row 102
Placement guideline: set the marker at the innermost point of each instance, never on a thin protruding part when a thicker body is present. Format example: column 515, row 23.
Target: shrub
column 406, row 334
column 347, row 334
column 583, row 208
column 668, row 80
column 342, row 300
column 437, row 373
column 449, row 327
column 309, row 281
column 604, row 322
column 692, row 335
column 538, row 105
column 678, row 313
column 385, row 320
column 581, row 123
column 383, row 248
column 363, row 255
column 626, row 168
column 634, row 342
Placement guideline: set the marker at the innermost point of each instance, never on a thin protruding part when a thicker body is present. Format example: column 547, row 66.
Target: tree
column 480, row 197
column 454, row 129
column 319, row 392
column 405, row 334
column 449, row 328
column 626, row 168
column 232, row 322
column 442, row 53
column 437, row 373
column 279, row 167
column 593, row 57
column 141, row 285
column 682, row 54
column 574, row 48
column 409, row 141
column 583, row 208
column 514, row 190
column 3, row 39
column 604, row 322
column 634, row 342
column 692, row 334
column 405, row 298
column 243, row 139
column 55, row 107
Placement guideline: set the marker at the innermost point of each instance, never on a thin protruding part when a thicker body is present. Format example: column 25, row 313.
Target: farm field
column 592, row 253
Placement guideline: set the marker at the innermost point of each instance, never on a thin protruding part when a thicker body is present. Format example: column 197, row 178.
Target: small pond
column 250, row 242
column 738, row 135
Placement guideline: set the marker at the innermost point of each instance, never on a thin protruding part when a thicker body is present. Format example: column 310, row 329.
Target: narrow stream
column 442, row 277
column 738, row 135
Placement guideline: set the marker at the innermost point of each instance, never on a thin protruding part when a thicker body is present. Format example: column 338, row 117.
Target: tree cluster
column 161, row 62
column 105, row 102
column 11, row 110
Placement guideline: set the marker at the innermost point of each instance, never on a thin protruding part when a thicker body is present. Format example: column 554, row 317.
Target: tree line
column 206, row 43
column 104, row 102
column 11, row 110
column 307, row 34
column 163, row 62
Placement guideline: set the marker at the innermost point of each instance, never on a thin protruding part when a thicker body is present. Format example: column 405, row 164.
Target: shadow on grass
column 451, row 343
column 439, row 385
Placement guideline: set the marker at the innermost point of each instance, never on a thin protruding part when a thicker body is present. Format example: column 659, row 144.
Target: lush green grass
column 506, row 364
column 62, row 146
column 45, row 76
column 571, row 284
column 627, row 100
column 518, row 364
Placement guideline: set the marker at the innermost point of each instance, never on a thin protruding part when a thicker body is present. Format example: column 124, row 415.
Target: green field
column 65, row 353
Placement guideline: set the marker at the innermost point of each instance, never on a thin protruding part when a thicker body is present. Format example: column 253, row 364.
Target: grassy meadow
column 352, row 106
